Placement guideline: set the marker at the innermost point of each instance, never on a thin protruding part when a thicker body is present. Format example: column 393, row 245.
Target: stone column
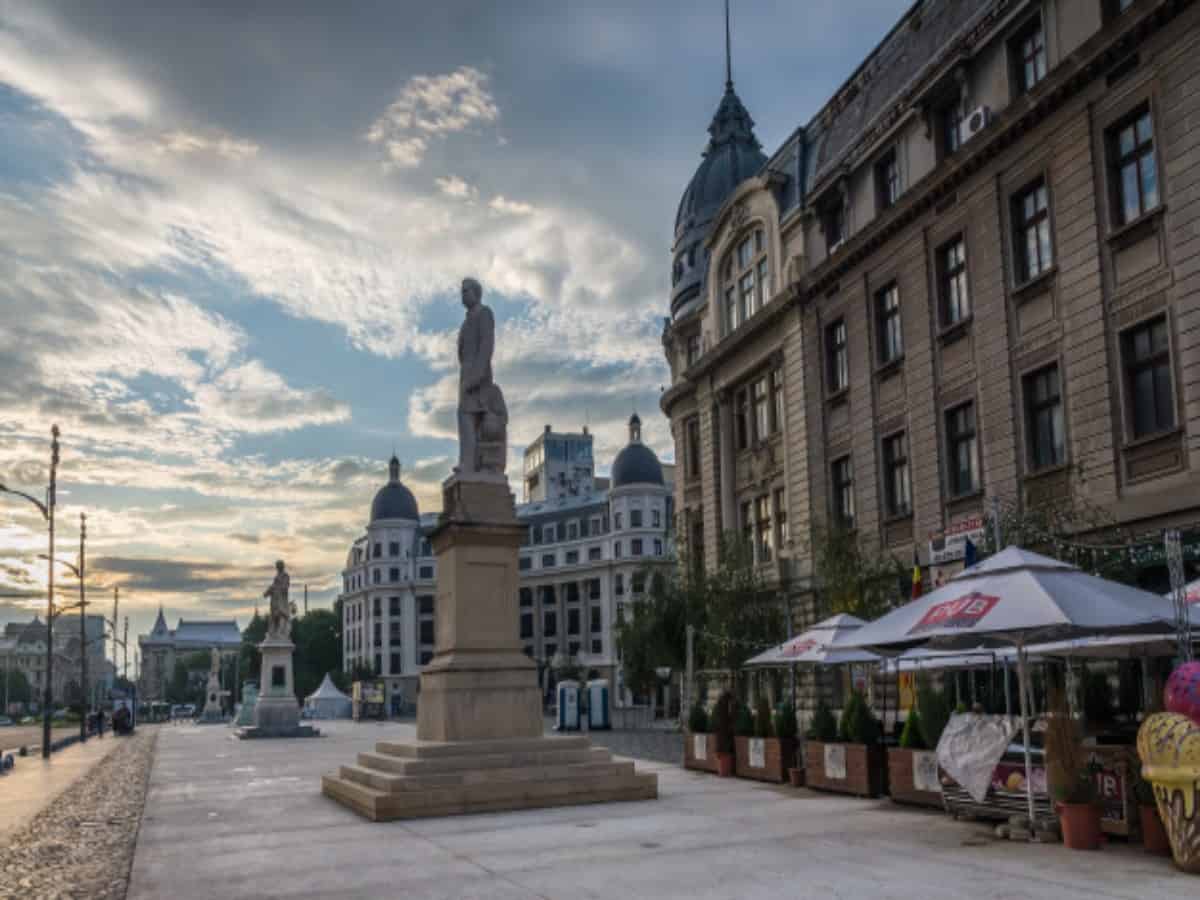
column 479, row 685
column 728, row 505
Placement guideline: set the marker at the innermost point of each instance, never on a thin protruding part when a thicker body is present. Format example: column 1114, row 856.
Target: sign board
column 758, row 753
column 700, row 746
column 925, row 771
column 835, row 761
column 952, row 543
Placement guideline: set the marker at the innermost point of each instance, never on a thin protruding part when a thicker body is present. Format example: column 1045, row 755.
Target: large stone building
column 23, row 649
column 163, row 646
column 584, row 561
column 967, row 283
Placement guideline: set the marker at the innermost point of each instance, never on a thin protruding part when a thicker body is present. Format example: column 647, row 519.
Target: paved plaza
column 229, row 819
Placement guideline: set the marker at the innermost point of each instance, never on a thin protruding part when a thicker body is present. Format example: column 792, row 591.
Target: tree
column 178, row 690
column 17, row 686
column 318, row 649
column 654, row 631
column 249, row 659
column 853, row 578
column 742, row 614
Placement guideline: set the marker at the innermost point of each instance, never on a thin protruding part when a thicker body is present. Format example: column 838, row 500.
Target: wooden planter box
column 705, row 762
column 903, row 780
column 859, row 769
column 777, row 755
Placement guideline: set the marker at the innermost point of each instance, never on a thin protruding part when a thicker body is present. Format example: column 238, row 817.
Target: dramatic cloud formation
column 229, row 265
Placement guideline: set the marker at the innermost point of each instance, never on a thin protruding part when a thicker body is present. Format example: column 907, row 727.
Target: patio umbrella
column 1017, row 598
column 821, row 645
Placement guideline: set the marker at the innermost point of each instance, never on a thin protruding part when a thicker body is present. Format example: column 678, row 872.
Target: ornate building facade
column 968, row 283
column 160, row 649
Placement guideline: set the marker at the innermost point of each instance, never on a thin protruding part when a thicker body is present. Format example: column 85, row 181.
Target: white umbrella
column 819, row 646
column 1017, row 598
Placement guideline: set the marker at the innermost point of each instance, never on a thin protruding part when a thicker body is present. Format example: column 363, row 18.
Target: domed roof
column 733, row 154
column 394, row 500
column 636, row 463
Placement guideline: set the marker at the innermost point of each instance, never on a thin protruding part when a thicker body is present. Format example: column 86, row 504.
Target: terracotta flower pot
column 1154, row 835
column 796, row 777
column 1080, row 825
column 725, row 765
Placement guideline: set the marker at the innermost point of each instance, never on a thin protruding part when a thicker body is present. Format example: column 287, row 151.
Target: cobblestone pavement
column 82, row 844
column 651, row 744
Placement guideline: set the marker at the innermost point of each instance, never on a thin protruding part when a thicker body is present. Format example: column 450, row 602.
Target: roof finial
column 728, row 53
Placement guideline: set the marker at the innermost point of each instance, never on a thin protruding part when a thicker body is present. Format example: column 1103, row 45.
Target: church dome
column 394, row 500
column 636, row 463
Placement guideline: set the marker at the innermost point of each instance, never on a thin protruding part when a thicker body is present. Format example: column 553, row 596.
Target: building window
column 573, row 621
column 572, row 531
column 691, row 430
column 748, row 523
column 616, row 549
column 426, row 572
column 573, row 648
column 843, row 492
column 1147, row 362
column 524, row 563
column 833, row 220
column 426, row 547
column 777, row 398
column 887, row 179
column 637, row 583
column 1031, row 231
column 549, row 623
column 635, row 518
column 838, row 356
column 1135, row 167
column 594, row 589
column 636, row 547
column 1028, row 51
column 551, row 649
column 617, row 520
column 764, row 283
column 1044, row 418
column 745, row 277
column 961, row 450
column 696, row 542
column 526, row 625
column 425, row 605
column 781, row 522
column 393, row 548
column 393, row 606
column 526, row 595
column 887, row 313
column 597, row 646
column 950, row 120
column 731, row 319
column 658, row 547
column 394, row 636
column 765, row 539
column 693, row 348
column 741, row 415
column 897, row 486
column 656, row 518
column 761, row 407
column 548, row 560
column 952, row 282
column 393, row 574
column 377, row 633
column 618, row 584
column 378, row 664
column 378, row 550
column 572, row 557
column 594, row 553
column 377, row 606
column 395, row 664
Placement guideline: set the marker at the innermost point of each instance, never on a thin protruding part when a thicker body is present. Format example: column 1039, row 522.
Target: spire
column 160, row 624
column 635, row 429
column 394, row 469
column 728, row 52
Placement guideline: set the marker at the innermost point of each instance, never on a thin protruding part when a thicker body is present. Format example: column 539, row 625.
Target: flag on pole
column 970, row 553
column 916, row 576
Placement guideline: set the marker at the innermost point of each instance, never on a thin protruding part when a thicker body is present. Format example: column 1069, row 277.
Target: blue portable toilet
column 568, row 706
column 597, row 698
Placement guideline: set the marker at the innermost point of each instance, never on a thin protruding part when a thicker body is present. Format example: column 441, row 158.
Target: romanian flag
column 916, row 578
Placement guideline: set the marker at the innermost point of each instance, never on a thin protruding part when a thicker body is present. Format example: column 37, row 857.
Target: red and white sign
column 952, row 543
column 964, row 612
column 799, row 648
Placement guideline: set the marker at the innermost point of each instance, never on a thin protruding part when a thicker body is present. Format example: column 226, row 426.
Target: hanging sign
column 925, row 771
column 962, row 612
column 951, row 544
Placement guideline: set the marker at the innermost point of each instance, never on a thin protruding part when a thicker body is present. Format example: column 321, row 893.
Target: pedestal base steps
column 420, row 779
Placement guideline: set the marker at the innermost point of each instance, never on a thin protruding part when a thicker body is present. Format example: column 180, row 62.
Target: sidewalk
column 30, row 787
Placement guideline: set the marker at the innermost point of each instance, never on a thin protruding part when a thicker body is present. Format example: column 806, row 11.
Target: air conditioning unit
column 977, row 120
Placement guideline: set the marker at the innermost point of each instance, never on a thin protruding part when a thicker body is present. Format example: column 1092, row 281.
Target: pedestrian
column 100, row 723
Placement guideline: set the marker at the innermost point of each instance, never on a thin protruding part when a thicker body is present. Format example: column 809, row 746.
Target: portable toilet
column 597, row 704
column 568, row 706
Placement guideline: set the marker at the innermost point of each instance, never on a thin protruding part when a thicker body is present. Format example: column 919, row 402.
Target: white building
column 585, row 559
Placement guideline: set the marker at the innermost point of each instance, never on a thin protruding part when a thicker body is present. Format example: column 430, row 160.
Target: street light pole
column 50, row 502
column 83, row 641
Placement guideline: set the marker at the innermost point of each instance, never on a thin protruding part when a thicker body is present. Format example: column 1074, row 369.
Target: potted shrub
column 764, row 753
column 1154, row 833
column 846, row 758
column 700, row 743
column 722, row 726
column 1072, row 783
column 912, row 767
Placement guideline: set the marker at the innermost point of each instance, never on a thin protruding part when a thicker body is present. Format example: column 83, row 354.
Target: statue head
column 472, row 293
column 279, row 565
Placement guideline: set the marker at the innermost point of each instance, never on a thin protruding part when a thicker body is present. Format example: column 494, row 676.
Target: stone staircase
column 418, row 779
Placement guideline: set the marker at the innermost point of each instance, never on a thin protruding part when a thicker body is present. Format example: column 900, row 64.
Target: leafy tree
column 318, row 649
column 178, row 690
column 249, row 659
column 654, row 631
column 17, row 685
column 741, row 613
column 933, row 711
column 853, row 578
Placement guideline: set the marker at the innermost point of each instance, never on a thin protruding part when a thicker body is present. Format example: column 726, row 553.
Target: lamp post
column 47, row 511
column 83, row 638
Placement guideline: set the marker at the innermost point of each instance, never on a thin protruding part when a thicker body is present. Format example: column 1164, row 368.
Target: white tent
column 819, row 646
column 1017, row 598
column 327, row 702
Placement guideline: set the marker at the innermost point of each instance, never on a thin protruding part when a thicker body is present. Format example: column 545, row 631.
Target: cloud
column 432, row 106
column 185, row 142
column 509, row 207
column 453, row 186
column 250, row 398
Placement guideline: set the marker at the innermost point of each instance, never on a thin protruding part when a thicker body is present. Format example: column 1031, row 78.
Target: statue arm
column 487, row 339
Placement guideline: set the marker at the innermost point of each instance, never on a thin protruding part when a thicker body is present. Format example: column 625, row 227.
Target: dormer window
column 745, row 280
column 833, row 221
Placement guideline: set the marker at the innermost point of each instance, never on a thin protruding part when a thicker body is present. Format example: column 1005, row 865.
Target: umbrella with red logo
column 821, row 645
column 1017, row 598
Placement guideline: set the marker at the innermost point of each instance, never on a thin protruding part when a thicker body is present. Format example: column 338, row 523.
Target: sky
column 232, row 235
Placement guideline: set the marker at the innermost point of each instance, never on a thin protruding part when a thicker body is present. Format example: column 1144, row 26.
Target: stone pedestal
column 213, row 713
column 480, row 744
column 276, row 713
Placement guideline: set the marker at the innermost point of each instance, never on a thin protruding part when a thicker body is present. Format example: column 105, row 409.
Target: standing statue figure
column 482, row 415
column 215, row 667
column 280, row 615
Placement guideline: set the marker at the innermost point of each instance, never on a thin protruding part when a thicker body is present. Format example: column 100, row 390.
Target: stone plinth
column 277, row 713
column 480, row 745
column 213, row 712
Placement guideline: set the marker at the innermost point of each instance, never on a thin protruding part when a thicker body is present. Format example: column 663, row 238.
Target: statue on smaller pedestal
column 482, row 414
column 279, row 617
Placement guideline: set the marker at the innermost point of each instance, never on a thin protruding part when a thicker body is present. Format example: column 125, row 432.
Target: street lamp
column 47, row 511
column 83, row 639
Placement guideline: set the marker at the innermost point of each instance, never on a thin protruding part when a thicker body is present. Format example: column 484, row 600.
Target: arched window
column 745, row 279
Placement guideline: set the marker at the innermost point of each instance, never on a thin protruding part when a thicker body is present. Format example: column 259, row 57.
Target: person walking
column 100, row 723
